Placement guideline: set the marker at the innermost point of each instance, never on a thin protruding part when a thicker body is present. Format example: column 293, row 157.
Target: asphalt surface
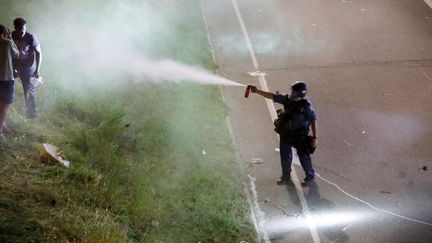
column 369, row 68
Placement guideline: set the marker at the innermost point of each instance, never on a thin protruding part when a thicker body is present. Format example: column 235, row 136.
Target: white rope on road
column 370, row 205
column 273, row 115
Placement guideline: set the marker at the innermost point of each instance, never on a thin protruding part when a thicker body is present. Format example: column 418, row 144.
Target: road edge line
column 273, row 116
column 253, row 215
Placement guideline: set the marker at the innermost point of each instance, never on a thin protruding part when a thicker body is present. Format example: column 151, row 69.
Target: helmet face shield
column 302, row 93
column 300, row 88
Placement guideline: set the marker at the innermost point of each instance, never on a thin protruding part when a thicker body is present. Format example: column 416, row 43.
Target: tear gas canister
column 247, row 91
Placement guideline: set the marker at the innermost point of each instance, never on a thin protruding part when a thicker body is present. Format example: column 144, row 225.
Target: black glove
column 252, row 88
column 310, row 144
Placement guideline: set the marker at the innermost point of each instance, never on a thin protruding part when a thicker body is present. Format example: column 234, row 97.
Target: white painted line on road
column 248, row 191
column 246, row 35
column 428, row 2
column 250, row 200
column 273, row 115
column 209, row 39
column 259, row 214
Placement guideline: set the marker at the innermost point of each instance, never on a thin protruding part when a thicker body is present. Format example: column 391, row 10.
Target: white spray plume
column 144, row 69
column 169, row 70
column 94, row 45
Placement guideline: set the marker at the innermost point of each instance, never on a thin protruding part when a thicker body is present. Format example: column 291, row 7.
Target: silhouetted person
column 28, row 63
column 7, row 51
column 318, row 205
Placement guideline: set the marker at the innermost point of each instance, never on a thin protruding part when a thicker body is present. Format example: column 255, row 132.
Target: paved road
column 369, row 68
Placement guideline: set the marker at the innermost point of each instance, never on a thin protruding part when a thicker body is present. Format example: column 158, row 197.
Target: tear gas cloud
column 114, row 40
column 266, row 42
column 173, row 71
column 290, row 41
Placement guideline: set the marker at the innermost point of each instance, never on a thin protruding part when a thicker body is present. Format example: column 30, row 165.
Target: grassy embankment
column 138, row 172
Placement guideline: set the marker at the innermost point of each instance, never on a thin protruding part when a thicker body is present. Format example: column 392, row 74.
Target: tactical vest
column 284, row 123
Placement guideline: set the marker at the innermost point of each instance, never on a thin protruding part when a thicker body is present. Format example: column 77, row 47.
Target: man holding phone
column 7, row 51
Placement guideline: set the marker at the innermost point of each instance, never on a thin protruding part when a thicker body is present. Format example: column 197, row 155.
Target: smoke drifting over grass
column 135, row 148
column 117, row 39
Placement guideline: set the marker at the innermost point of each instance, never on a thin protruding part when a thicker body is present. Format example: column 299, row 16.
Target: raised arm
column 13, row 47
column 265, row 94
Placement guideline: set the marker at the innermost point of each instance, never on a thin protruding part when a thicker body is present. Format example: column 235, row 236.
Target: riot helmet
column 300, row 87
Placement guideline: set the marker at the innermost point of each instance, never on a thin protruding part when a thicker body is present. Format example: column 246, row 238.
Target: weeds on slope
column 150, row 162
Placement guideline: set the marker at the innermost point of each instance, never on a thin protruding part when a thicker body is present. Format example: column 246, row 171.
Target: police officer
column 302, row 117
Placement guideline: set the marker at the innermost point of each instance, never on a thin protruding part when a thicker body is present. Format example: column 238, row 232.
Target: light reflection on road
column 321, row 220
column 332, row 225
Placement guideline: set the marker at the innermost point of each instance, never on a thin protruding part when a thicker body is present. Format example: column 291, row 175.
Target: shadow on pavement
column 295, row 227
column 319, row 205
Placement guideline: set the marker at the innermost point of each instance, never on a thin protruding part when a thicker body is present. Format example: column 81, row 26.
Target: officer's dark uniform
column 300, row 122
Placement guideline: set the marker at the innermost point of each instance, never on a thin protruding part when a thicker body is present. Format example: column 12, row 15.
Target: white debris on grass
column 155, row 223
column 203, row 152
column 50, row 153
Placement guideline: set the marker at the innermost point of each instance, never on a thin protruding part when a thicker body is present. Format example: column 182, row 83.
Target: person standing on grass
column 27, row 65
column 8, row 50
column 300, row 116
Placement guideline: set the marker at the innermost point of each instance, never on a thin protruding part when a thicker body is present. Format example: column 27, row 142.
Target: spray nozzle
column 247, row 91
column 250, row 88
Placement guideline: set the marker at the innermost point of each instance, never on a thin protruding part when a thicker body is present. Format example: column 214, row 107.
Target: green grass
column 137, row 169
